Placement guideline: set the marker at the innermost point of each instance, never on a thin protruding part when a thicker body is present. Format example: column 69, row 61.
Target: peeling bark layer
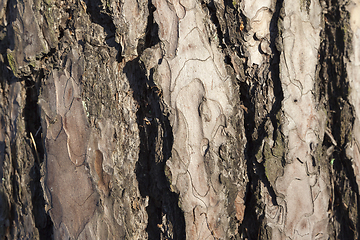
column 179, row 119
column 200, row 95
column 303, row 193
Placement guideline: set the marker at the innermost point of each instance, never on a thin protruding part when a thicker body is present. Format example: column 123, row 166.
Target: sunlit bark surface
column 179, row 119
column 200, row 95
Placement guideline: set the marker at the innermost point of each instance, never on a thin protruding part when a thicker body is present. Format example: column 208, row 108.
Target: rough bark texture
column 179, row 119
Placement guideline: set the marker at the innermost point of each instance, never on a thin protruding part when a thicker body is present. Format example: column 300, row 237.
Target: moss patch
column 12, row 62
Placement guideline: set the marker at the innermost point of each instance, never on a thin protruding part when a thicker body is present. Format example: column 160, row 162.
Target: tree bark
column 179, row 119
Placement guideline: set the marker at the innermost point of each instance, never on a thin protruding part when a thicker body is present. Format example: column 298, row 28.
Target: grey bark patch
column 28, row 41
column 55, row 126
column 68, row 94
column 103, row 183
column 69, row 188
column 75, row 126
column 168, row 22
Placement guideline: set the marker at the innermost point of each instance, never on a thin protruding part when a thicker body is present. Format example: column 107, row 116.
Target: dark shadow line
column 149, row 168
column 334, row 83
column 251, row 224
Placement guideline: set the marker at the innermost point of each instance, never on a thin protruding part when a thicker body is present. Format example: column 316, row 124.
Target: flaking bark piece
column 106, row 145
column 189, row 49
column 130, row 20
column 168, row 22
column 180, row 137
column 188, row 102
column 193, row 78
column 179, row 9
column 28, row 41
column 75, row 126
column 103, row 182
column 72, row 197
column 68, row 94
column 188, row 4
column 294, row 185
column 53, row 120
column 303, row 126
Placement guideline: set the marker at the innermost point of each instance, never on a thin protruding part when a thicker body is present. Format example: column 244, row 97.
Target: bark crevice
column 334, row 51
column 34, row 133
column 151, row 163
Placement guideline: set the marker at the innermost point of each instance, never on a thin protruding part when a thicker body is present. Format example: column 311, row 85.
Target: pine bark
column 179, row 119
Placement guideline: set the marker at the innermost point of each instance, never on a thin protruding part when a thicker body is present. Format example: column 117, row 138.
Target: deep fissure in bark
column 100, row 16
column 103, row 18
column 149, row 169
column 335, row 87
column 214, row 19
column 274, row 65
column 151, row 163
column 151, row 34
column 255, row 129
column 33, row 125
column 15, row 187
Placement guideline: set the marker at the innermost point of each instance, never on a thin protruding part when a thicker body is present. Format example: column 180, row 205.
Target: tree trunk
column 179, row 119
